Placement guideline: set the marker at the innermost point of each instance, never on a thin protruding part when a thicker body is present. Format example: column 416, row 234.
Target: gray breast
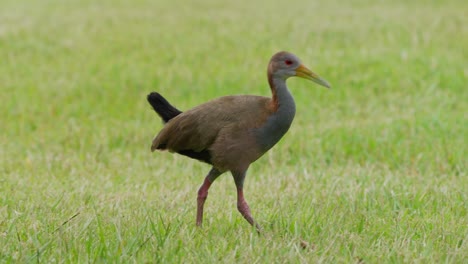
column 274, row 128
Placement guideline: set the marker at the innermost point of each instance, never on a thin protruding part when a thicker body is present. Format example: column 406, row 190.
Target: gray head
column 284, row 65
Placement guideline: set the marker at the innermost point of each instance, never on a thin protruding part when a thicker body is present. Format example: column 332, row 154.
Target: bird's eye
column 288, row 62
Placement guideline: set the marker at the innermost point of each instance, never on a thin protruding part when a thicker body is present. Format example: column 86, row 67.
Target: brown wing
column 198, row 128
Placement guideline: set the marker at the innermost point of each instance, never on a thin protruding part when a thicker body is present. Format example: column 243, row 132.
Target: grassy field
column 372, row 171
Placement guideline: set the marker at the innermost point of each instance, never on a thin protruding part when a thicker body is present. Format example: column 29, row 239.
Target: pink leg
column 242, row 205
column 203, row 193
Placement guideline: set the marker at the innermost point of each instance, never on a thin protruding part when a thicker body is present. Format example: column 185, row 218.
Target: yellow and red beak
column 305, row 73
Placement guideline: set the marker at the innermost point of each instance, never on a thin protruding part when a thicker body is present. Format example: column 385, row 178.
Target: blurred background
column 76, row 127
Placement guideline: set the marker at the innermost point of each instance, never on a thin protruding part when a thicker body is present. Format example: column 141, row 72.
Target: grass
column 372, row 171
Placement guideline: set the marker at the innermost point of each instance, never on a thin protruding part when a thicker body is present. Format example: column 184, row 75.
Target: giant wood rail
column 231, row 132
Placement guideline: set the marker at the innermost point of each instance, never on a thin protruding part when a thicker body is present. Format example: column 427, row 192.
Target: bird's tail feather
column 162, row 107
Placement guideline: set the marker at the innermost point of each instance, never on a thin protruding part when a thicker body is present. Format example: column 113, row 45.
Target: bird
column 231, row 132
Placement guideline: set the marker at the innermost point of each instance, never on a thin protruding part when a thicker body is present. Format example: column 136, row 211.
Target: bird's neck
column 280, row 120
column 282, row 100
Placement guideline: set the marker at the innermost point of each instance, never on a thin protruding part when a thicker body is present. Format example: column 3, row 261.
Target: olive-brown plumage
column 231, row 132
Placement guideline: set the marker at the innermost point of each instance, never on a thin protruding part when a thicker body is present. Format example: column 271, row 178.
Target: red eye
column 288, row 62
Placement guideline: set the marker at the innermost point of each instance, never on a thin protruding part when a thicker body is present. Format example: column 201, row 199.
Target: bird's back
column 218, row 126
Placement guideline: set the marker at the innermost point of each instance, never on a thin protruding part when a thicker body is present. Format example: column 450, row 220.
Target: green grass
column 373, row 170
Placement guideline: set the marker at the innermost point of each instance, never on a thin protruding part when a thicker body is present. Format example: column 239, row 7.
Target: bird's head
column 284, row 65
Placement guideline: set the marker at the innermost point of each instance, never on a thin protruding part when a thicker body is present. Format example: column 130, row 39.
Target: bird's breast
column 275, row 126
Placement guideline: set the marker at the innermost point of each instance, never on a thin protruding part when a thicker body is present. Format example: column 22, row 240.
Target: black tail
column 164, row 109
